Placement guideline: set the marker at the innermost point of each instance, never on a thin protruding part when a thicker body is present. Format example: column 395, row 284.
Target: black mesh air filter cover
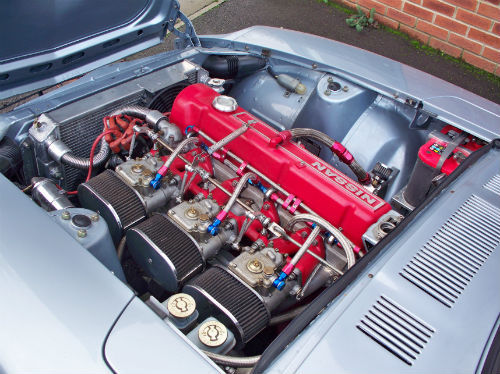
column 166, row 252
column 115, row 201
column 220, row 294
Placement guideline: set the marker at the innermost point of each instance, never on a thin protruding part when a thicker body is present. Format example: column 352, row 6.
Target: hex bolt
column 65, row 215
column 82, row 233
column 330, row 80
column 328, row 92
column 345, row 88
column 94, row 217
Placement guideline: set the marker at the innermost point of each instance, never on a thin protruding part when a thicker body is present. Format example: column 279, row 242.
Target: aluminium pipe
column 344, row 242
column 247, row 208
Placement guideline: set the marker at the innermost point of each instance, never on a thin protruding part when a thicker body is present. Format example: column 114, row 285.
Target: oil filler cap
column 81, row 220
column 212, row 333
column 225, row 104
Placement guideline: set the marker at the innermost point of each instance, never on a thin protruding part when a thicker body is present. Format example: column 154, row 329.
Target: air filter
column 166, row 252
column 115, row 200
column 218, row 293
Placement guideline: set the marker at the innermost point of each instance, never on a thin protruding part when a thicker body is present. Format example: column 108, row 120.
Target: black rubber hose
column 231, row 66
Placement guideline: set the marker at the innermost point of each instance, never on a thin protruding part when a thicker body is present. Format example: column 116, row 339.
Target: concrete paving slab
column 190, row 7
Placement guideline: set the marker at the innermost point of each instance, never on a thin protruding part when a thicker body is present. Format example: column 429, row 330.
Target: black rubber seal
column 328, row 295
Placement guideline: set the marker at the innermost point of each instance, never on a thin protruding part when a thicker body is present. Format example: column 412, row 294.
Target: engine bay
column 230, row 190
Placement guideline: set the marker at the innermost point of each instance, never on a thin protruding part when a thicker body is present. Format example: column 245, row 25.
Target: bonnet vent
column 493, row 184
column 396, row 329
column 449, row 260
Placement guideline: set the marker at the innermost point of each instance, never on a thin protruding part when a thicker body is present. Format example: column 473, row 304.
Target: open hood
column 47, row 42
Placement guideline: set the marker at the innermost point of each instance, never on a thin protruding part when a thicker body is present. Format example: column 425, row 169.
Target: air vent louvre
column 396, row 329
column 445, row 265
column 493, row 184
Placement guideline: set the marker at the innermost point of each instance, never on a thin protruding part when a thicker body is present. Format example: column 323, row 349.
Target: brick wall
column 469, row 29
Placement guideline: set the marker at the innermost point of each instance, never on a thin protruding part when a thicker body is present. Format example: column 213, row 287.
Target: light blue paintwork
column 461, row 332
column 452, row 104
column 59, row 302
column 99, row 41
column 141, row 342
column 97, row 239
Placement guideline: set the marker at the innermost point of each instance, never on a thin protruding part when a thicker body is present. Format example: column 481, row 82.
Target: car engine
column 228, row 201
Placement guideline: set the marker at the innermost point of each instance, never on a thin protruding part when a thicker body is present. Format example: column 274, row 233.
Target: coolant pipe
column 162, row 171
column 154, row 118
column 279, row 282
column 213, row 229
column 336, row 147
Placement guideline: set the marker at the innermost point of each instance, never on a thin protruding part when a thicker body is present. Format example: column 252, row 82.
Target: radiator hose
column 154, row 119
column 83, row 163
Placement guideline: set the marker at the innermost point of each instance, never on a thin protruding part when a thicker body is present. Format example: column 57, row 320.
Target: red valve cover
column 331, row 194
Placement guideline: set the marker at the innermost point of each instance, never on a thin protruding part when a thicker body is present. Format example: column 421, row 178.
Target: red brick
column 473, row 19
column 480, row 62
column 492, row 54
column 401, row 17
column 419, row 2
column 445, row 47
column 481, row 36
column 496, row 28
column 379, row 8
column 439, row 6
column 349, row 4
column 450, row 24
column 489, row 10
column 495, row 2
column 433, row 30
column 467, row 4
column 393, row 3
column 465, row 43
column 386, row 21
column 418, row 11
column 415, row 34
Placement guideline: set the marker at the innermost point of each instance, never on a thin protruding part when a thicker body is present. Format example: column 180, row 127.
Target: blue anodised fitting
column 156, row 182
column 188, row 129
column 258, row 184
column 205, row 147
column 279, row 282
column 213, row 229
